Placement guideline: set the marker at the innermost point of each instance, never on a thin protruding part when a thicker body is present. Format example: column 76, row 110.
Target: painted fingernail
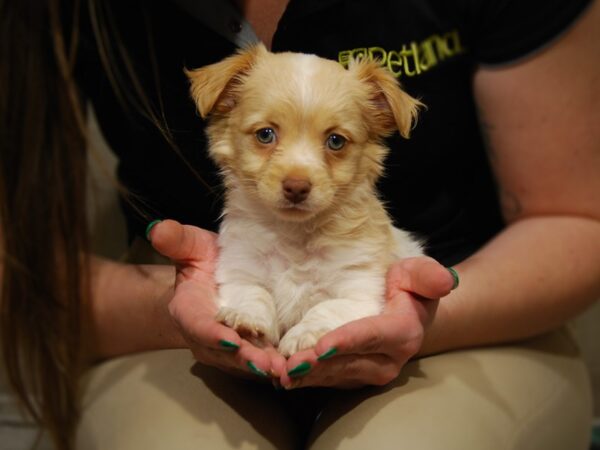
column 150, row 226
column 328, row 354
column 455, row 276
column 255, row 370
column 300, row 370
column 228, row 345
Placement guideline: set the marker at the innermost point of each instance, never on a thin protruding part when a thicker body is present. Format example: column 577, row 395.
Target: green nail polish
column 255, row 370
column 150, row 226
column 300, row 370
column 455, row 276
column 228, row 345
column 328, row 354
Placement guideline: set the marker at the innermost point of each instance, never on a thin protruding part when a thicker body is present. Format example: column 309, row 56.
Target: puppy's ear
column 214, row 87
column 390, row 107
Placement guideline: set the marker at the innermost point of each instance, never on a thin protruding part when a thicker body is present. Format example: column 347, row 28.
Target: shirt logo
column 413, row 58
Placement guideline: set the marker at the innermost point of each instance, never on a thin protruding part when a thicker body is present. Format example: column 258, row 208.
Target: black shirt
column 438, row 184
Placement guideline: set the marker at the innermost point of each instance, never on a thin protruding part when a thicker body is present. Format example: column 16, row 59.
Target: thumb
column 183, row 243
column 423, row 276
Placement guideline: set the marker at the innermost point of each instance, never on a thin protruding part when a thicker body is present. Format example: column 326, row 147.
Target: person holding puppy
column 519, row 224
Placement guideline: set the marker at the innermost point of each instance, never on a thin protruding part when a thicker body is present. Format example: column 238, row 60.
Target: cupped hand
column 193, row 306
column 373, row 350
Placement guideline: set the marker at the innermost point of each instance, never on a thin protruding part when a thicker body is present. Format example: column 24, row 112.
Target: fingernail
column 255, row 370
column 228, row 345
column 150, row 226
column 455, row 276
column 328, row 354
column 300, row 370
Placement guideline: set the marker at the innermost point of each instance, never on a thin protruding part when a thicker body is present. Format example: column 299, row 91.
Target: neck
column 263, row 15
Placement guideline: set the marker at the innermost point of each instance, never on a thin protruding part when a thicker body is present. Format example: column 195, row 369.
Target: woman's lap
column 528, row 396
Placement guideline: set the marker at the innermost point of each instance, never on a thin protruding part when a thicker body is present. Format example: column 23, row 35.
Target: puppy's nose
column 296, row 190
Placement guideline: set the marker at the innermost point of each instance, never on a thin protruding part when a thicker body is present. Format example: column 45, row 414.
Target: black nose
column 296, row 190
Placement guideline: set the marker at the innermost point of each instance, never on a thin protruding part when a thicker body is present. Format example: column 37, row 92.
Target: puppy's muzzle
column 296, row 190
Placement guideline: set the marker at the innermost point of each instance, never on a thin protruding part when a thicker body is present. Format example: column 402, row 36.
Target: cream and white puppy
column 305, row 242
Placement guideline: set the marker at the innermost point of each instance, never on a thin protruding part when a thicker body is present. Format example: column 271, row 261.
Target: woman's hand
column 193, row 306
column 373, row 350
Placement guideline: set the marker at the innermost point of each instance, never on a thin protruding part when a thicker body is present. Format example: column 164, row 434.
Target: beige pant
column 531, row 396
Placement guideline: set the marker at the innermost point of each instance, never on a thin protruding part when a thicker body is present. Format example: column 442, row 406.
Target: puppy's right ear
column 214, row 87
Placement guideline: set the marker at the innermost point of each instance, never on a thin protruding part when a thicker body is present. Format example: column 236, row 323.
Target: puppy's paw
column 301, row 337
column 254, row 328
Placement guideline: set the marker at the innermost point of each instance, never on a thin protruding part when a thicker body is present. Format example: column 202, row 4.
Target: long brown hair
column 43, row 229
column 44, row 242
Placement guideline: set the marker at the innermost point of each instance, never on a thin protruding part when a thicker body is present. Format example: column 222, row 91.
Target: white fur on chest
column 297, row 274
column 277, row 279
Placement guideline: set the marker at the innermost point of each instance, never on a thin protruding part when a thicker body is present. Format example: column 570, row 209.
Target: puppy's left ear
column 213, row 87
column 390, row 108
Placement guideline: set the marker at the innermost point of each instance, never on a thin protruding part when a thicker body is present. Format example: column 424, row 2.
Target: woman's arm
column 541, row 118
column 532, row 278
column 128, row 311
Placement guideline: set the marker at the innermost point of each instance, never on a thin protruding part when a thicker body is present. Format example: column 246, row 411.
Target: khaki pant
column 529, row 396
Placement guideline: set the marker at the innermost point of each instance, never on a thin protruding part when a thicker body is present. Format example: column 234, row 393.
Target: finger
column 226, row 362
column 254, row 360
column 389, row 333
column 363, row 336
column 222, row 360
column 422, row 275
column 206, row 332
column 182, row 243
column 348, row 371
column 278, row 362
column 245, row 358
column 298, row 366
column 195, row 317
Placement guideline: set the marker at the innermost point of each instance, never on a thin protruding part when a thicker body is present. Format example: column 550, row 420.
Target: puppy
column 304, row 242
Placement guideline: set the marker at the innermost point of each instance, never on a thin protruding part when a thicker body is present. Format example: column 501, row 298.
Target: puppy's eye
column 266, row 135
column 336, row 142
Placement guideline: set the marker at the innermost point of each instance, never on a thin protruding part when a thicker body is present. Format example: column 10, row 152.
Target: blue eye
column 336, row 142
column 266, row 135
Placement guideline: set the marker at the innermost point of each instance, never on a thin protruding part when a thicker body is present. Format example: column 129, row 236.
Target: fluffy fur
column 304, row 243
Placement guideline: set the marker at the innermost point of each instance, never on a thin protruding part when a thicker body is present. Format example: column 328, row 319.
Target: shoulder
column 500, row 31
column 542, row 123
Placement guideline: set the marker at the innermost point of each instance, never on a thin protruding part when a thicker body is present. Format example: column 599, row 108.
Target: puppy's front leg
column 323, row 318
column 250, row 310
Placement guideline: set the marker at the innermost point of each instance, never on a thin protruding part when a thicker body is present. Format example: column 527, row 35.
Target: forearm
column 533, row 277
column 128, row 312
